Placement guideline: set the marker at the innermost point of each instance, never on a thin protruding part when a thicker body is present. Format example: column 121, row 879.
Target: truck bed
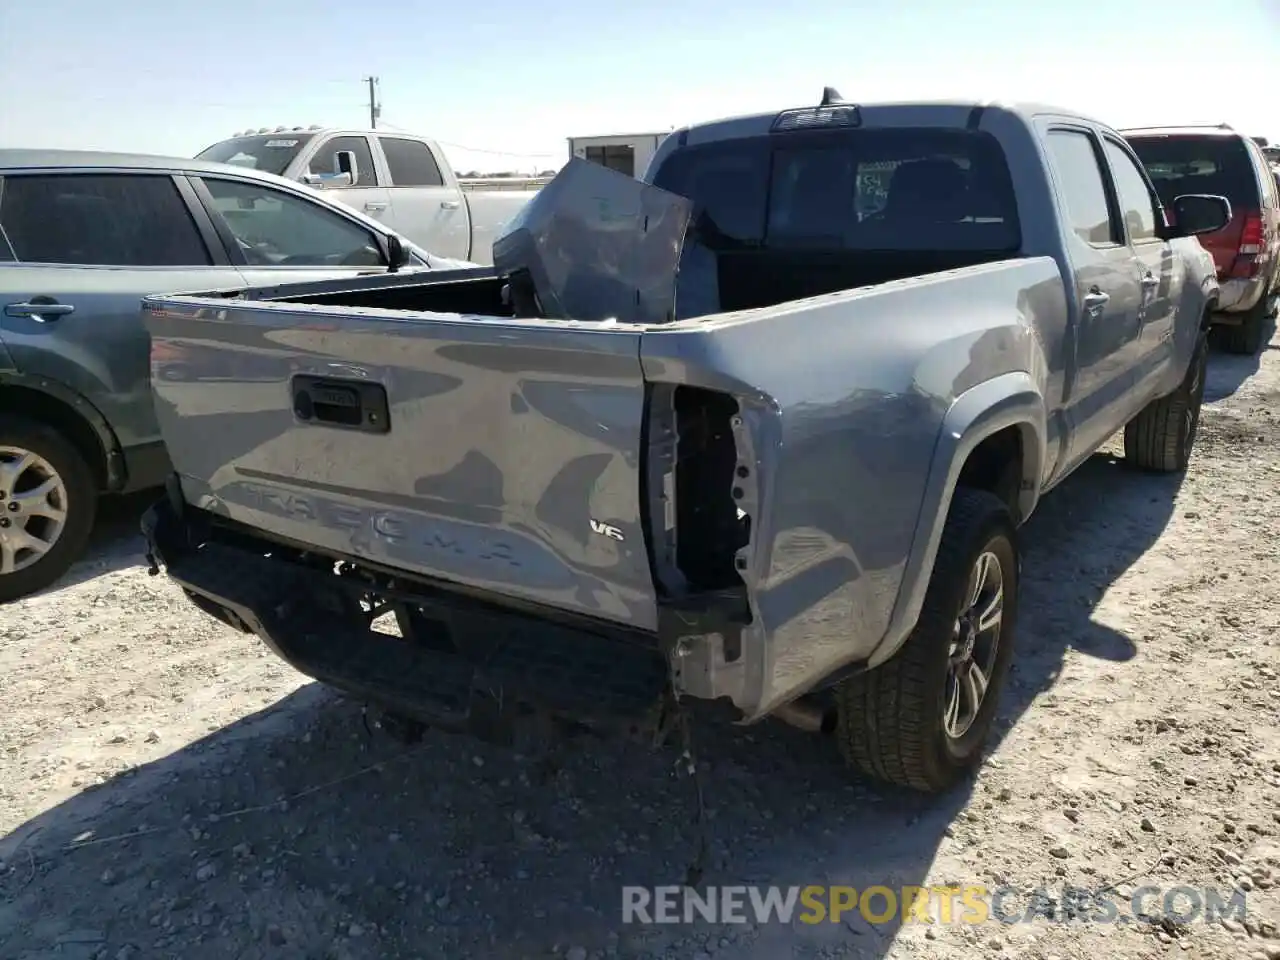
column 620, row 474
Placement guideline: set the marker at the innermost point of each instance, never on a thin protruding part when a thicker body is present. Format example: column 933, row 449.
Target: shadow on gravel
column 116, row 542
column 1082, row 538
column 456, row 849
column 1227, row 372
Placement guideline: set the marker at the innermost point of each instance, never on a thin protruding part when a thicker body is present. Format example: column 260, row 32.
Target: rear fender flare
column 1010, row 400
column 111, row 457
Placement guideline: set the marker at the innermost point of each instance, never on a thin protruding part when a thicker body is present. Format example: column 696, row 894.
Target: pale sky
column 502, row 84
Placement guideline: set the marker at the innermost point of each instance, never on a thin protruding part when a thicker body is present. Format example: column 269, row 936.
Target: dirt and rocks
column 170, row 789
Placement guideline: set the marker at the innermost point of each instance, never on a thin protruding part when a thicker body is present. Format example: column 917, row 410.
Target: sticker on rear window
column 282, row 143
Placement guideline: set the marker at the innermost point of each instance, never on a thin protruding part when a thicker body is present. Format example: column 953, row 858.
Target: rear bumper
column 470, row 670
column 1239, row 296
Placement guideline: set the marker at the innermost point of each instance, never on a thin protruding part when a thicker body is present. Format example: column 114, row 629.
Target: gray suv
column 83, row 237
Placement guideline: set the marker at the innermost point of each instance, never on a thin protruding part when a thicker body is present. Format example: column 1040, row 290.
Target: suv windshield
column 1196, row 164
column 270, row 152
column 803, row 213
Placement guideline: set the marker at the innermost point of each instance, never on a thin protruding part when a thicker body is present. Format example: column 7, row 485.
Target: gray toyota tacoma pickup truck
column 760, row 427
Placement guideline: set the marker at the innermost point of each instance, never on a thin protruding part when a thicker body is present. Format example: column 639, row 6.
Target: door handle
column 40, row 312
column 373, row 206
column 449, row 204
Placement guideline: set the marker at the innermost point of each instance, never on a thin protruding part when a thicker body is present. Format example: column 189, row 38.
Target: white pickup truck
column 405, row 181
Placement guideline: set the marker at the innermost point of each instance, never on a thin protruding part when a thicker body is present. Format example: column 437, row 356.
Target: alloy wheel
column 974, row 642
column 33, row 508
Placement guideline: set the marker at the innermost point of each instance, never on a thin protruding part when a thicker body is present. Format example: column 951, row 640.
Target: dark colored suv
column 1218, row 160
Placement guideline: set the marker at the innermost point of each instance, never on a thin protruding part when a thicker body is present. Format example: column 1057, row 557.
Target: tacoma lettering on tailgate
column 396, row 529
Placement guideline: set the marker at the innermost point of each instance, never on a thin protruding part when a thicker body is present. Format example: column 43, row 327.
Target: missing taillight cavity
column 710, row 526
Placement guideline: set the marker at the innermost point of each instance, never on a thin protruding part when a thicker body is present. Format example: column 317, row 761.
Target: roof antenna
column 830, row 95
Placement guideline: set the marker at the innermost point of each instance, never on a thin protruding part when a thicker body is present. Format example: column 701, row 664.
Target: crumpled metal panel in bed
column 596, row 244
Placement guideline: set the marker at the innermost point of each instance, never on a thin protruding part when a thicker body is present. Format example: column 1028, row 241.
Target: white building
column 627, row 153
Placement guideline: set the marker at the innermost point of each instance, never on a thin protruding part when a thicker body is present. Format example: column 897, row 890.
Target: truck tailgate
column 499, row 454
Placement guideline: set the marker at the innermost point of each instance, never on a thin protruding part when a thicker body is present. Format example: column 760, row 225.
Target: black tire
column 1161, row 437
column 891, row 720
column 81, row 504
column 175, row 372
column 1245, row 338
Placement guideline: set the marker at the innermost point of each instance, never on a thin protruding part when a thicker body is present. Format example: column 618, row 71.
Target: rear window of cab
column 864, row 189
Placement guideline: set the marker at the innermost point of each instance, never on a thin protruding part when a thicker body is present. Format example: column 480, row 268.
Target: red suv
column 1219, row 161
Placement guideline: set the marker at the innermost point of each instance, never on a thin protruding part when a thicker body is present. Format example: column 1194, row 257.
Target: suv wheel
column 1245, row 338
column 47, row 506
column 922, row 719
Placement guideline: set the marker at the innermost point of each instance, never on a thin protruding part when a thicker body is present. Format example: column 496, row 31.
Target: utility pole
column 375, row 108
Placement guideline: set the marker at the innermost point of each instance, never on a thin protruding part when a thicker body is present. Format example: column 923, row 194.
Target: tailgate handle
column 348, row 404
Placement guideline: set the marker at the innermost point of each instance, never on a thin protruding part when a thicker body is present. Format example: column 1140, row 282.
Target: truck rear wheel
column 922, row 719
column 1160, row 438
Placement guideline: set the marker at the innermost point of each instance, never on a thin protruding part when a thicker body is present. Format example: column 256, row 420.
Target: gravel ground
column 169, row 789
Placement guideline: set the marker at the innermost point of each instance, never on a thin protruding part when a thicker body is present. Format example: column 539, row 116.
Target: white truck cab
column 401, row 179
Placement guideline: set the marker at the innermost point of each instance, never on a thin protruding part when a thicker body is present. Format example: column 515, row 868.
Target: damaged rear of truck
column 710, row 434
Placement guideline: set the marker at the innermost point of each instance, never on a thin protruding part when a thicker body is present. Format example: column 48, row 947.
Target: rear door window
column 1136, row 203
column 411, row 163
column 277, row 229
column 1083, row 186
column 1215, row 165
column 114, row 219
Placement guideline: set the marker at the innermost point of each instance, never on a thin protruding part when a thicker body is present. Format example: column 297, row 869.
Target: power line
column 216, row 104
column 492, row 153
column 498, row 153
column 135, row 71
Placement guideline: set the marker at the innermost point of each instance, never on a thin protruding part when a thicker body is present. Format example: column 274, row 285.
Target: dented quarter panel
column 854, row 444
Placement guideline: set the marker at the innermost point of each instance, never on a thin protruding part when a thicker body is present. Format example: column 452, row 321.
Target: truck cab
column 403, row 180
